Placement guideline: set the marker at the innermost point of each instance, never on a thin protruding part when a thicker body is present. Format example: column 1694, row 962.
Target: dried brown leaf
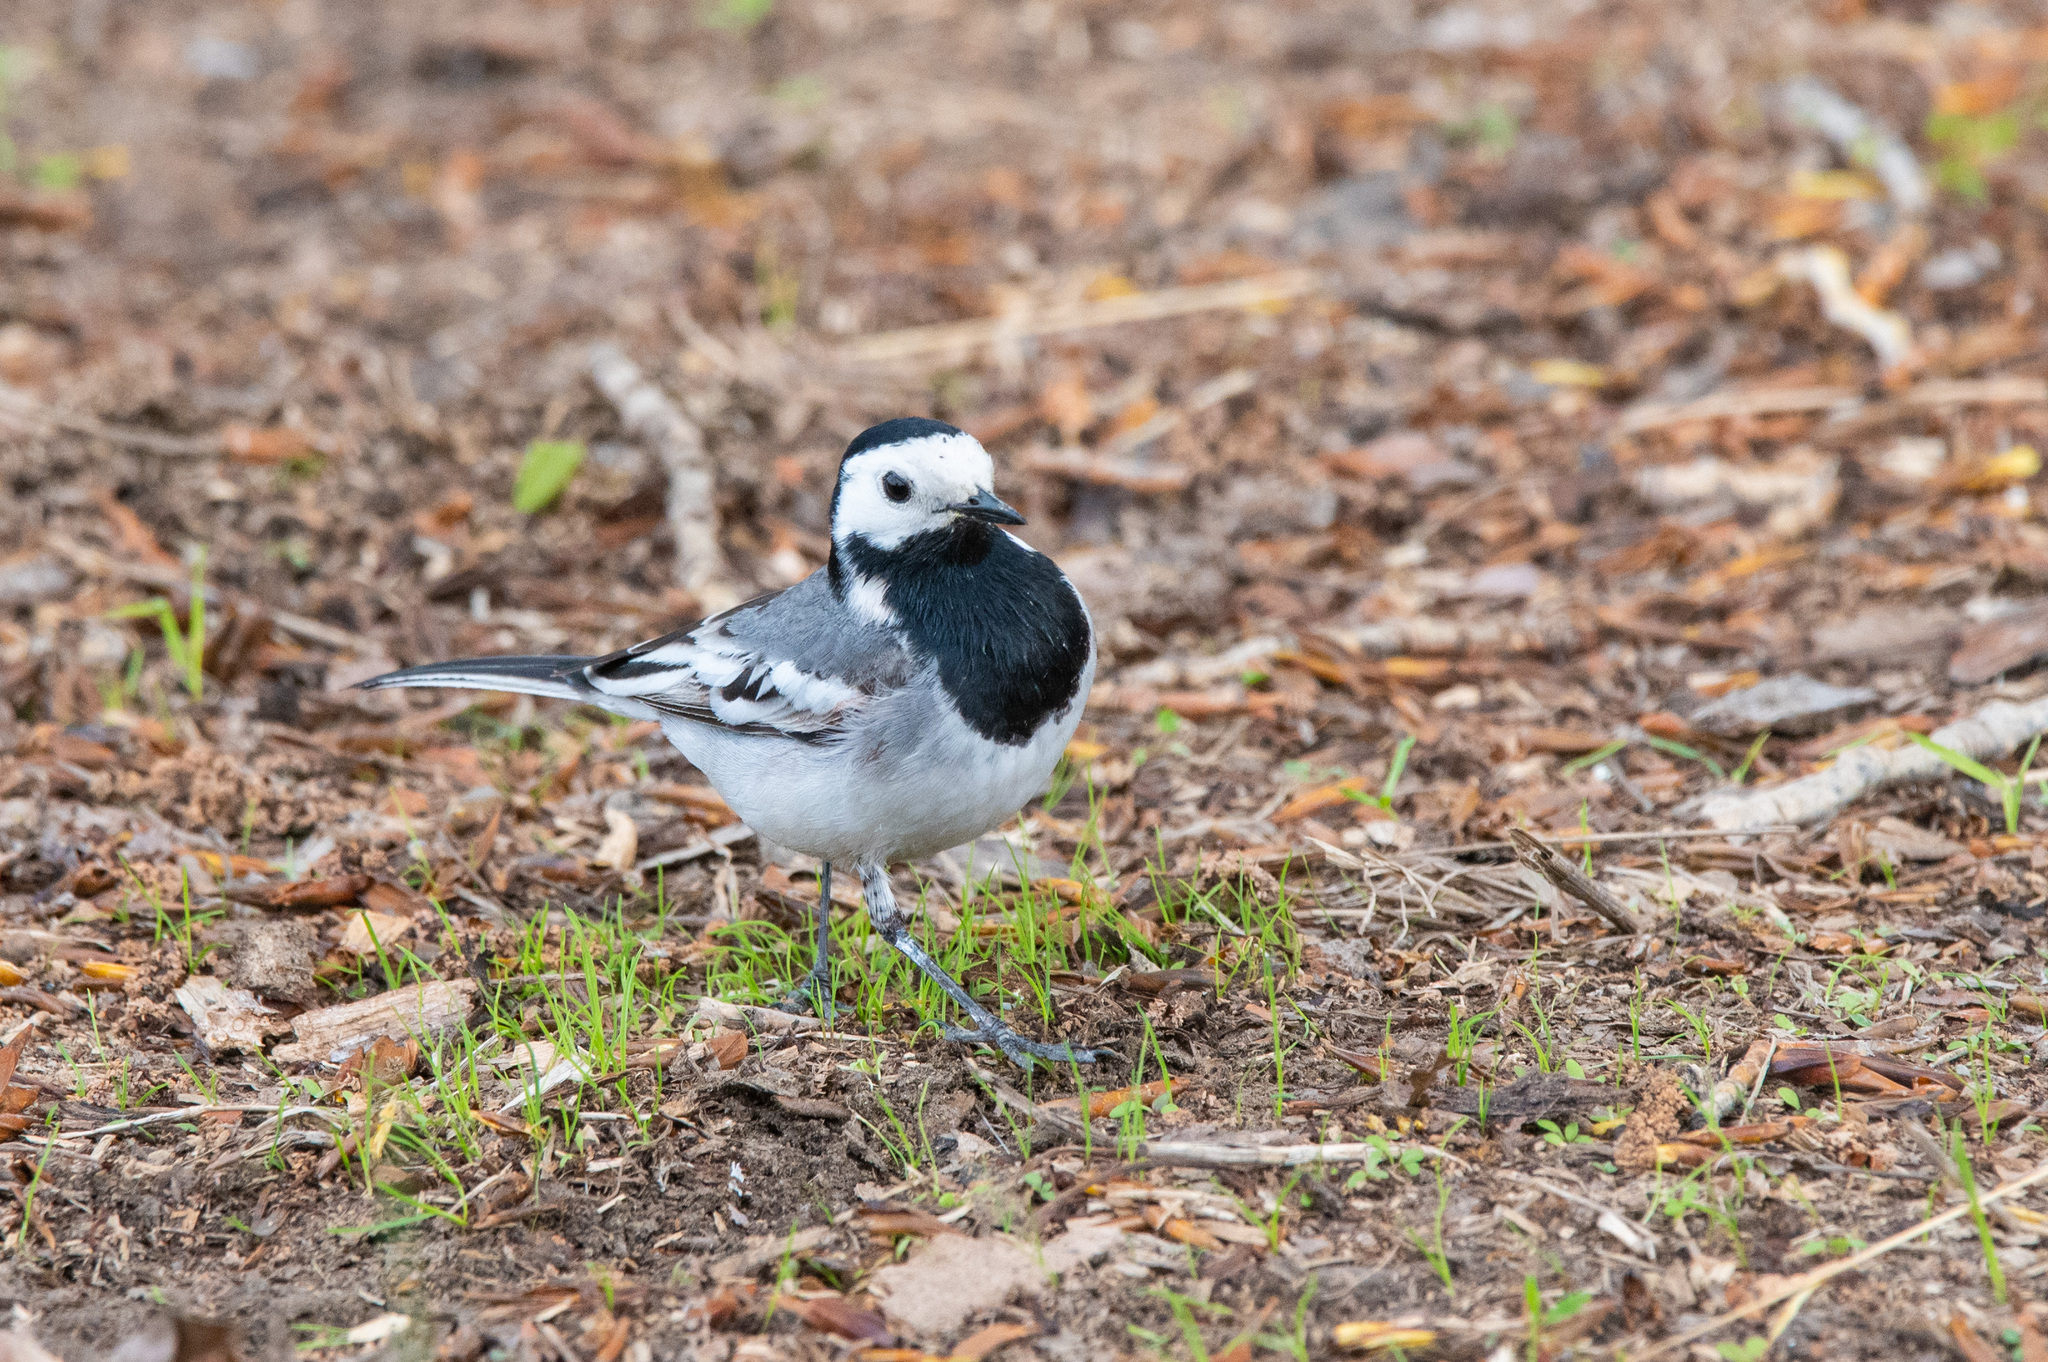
column 886, row 1223
column 838, row 1316
column 1178, row 1229
column 327, row 893
column 727, row 1047
column 982, row 1342
column 1103, row 1103
column 1970, row 1343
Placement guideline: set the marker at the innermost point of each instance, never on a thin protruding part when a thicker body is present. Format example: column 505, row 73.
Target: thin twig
column 1573, row 841
column 187, row 1114
column 919, row 342
column 2004, row 390
column 1182, row 1154
column 773, row 1020
column 1429, row 893
column 1545, row 861
column 1742, row 1080
column 719, row 840
column 1722, row 406
column 1763, row 1072
column 1608, row 1219
column 1946, row 1170
column 1806, row 1160
column 20, row 410
column 1067, row 1125
column 94, row 563
column 1807, row 1282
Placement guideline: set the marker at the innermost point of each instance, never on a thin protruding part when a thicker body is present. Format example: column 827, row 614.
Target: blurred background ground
column 1460, row 417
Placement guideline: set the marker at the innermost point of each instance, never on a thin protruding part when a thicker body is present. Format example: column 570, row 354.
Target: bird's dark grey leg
column 814, row 990
column 988, row 1029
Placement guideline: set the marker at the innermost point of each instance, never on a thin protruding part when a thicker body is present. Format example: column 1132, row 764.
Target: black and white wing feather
column 793, row 665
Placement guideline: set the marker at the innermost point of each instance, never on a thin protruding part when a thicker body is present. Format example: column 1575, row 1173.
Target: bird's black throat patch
column 1007, row 631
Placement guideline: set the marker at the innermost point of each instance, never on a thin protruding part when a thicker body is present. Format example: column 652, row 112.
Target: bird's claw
column 1022, row 1051
column 812, row 997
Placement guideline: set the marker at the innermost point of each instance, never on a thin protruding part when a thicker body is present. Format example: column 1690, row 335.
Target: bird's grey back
column 807, row 625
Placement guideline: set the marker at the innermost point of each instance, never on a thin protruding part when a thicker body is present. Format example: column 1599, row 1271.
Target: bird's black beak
column 990, row 507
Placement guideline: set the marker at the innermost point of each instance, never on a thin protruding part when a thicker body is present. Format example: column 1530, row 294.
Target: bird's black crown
column 899, row 431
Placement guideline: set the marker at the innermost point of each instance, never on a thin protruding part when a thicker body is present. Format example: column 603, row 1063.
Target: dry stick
column 324, row 1036
column 1235, row 383
column 1424, row 634
column 692, row 508
column 2004, row 390
column 1572, row 841
column 1720, row 406
column 1763, row 1071
column 93, row 563
column 1637, row 1240
column 773, row 1020
column 1111, row 464
column 24, row 412
column 193, row 1113
column 1432, row 895
column 1806, row 1283
column 1741, row 1080
column 719, row 840
column 1142, row 476
column 2001, row 391
column 919, row 342
column 1545, row 861
column 1053, row 1118
column 1990, row 733
column 1187, row 1155
column 1946, row 1171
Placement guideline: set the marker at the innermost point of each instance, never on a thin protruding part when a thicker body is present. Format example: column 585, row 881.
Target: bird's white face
column 891, row 492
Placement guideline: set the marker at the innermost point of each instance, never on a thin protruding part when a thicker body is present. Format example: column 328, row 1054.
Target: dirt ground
column 1547, row 478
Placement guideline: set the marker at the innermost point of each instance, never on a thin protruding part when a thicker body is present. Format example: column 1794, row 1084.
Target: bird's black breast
column 1006, row 630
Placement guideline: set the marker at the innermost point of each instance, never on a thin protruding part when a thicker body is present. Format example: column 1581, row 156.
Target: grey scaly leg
column 814, row 990
column 988, row 1029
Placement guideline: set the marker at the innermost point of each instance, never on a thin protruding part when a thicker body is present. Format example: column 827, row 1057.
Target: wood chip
column 419, row 1010
column 1794, row 703
column 227, row 1019
column 1997, row 646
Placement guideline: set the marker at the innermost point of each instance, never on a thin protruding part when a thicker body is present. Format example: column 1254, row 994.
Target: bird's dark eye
column 896, row 487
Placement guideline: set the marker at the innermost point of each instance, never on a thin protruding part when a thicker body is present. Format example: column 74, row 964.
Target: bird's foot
column 1021, row 1050
column 812, row 996
column 988, row 1029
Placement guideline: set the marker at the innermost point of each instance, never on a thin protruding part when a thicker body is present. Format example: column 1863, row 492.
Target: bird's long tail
column 556, row 677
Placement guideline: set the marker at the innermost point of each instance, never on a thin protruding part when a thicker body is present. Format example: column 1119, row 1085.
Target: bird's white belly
column 910, row 780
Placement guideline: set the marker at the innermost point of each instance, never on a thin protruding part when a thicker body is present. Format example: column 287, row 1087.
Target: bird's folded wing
column 793, row 664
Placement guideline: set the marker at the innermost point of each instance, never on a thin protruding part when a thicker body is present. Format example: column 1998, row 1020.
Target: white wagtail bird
column 905, row 698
